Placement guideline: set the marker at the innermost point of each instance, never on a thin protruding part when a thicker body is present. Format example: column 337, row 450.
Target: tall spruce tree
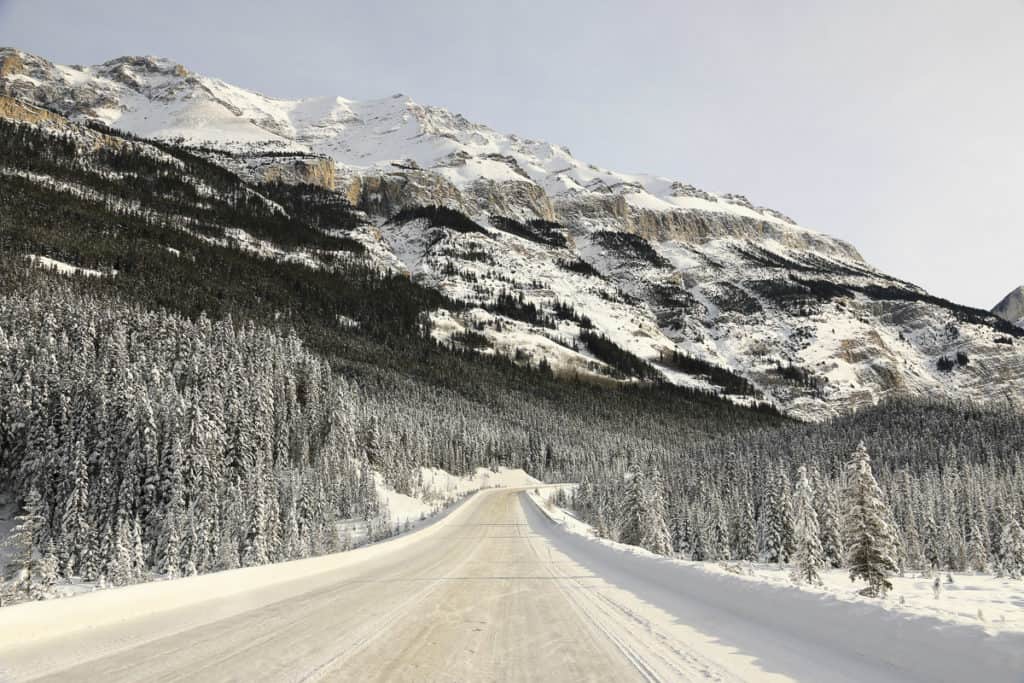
column 655, row 535
column 1011, row 561
column 808, row 556
column 23, row 543
column 870, row 543
column 634, row 506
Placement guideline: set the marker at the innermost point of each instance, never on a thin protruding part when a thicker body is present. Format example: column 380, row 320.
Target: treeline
column 313, row 206
column 578, row 265
column 631, row 245
column 171, row 268
column 717, row 375
column 623, row 362
column 536, row 230
column 514, row 306
column 440, row 217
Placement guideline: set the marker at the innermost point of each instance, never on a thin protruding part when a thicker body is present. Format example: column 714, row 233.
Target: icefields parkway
column 494, row 591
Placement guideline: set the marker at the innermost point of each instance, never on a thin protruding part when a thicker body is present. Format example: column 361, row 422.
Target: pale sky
column 897, row 125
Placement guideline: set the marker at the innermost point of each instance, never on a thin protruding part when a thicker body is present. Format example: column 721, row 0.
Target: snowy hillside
column 565, row 263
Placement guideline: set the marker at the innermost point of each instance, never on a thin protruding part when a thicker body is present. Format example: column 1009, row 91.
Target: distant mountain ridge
column 565, row 263
column 155, row 97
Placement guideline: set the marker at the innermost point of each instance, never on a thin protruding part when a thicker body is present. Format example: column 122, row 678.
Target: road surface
column 489, row 595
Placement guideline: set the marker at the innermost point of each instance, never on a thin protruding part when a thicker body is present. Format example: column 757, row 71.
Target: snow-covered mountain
column 689, row 280
column 1011, row 308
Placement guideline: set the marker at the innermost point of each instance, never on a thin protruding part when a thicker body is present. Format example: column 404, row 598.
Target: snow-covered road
column 495, row 591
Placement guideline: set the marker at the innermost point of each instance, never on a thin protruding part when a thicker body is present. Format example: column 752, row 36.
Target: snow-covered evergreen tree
column 75, row 525
column 1011, row 559
column 808, row 556
column 869, row 541
column 828, row 525
column 634, row 506
column 777, row 520
column 746, row 533
column 24, row 556
column 48, row 569
column 655, row 535
column 977, row 552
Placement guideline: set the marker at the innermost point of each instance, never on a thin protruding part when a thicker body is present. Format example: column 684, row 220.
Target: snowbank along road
column 493, row 592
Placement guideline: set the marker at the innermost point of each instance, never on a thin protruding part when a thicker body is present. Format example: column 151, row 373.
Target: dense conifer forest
column 950, row 480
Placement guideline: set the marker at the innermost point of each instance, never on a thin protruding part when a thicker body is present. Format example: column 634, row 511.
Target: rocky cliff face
column 17, row 110
column 685, row 279
column 11, row 64
column 1011, row 308
column 294, row 168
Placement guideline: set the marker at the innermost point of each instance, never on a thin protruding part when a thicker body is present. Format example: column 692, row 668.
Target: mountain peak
column 146, row 64
column 1011, row 308
column 158, row 98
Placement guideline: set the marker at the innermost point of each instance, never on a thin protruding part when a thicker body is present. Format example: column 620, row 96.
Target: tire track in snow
column 658, row 657
column 372, row 630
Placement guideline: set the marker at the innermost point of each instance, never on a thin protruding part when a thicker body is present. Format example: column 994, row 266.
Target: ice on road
column 493, row 592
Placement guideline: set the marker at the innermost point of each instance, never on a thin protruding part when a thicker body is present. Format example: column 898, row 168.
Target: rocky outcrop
column 1011, row 308
column 18, row 110
column 292, row 169
column 132, row 71
column 11, row 108
column 388, row 193
column 11, row 63
column 311, row 171
column 517, row 199
column 45, row 86
column 691, row 226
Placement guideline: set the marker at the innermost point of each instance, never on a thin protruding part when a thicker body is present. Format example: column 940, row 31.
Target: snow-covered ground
column 906, row 639
column 63, row 268
column 978, row 600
